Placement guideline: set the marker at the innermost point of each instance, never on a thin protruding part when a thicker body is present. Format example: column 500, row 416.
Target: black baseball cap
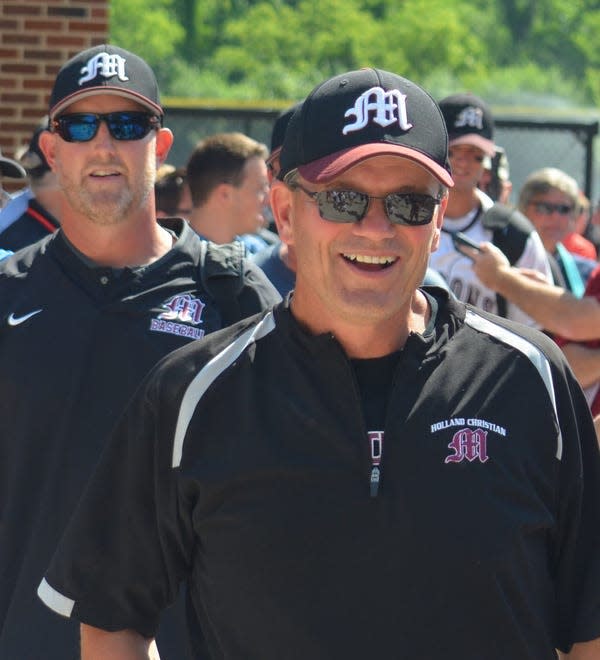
column 105, row 69
column 279, row 128
column 360, row 114
column 469, row 121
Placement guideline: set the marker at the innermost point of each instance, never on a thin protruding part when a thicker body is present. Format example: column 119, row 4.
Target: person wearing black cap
column 277, row 260
column 86, row 312
column 39, row 218
column 352, row 474
column 472, row 213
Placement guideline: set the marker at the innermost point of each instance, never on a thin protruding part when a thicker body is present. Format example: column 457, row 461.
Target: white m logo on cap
column 470, row 116
column 388, row 108
column 105, row 65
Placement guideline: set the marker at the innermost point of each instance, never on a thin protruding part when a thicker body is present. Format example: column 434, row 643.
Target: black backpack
column 510, row 231
column 222, row 277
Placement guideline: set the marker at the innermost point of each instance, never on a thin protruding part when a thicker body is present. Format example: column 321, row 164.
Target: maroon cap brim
column 329, row 167
column 474, row 140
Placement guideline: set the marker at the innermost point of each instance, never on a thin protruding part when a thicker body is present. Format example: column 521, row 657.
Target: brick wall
column 36, row 38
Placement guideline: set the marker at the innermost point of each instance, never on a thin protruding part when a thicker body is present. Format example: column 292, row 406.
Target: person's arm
column 97, row 644
column 597, row 427
column 555, row 309
column 584, row 361
column 583, row 651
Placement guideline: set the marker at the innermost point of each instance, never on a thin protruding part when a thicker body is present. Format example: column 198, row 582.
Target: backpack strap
column 510, row 232
column 510, row 229
column 575, row 282
column 222, row 277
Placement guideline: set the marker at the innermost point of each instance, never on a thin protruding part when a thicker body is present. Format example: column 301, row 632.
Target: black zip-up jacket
column 244, row 466
column 75, row 342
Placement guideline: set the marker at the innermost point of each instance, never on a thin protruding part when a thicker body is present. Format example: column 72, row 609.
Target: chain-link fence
column 529, row 143
column 190, row 125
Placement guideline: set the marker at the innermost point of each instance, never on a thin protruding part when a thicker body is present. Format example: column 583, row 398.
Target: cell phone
column 461, row 240
column 498, row 174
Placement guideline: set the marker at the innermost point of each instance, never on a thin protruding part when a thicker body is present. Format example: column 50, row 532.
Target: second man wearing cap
column 470, row 128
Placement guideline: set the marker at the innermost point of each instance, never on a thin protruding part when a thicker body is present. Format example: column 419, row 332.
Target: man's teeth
column 368, row 259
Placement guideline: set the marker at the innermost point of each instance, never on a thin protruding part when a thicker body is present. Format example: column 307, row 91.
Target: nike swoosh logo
column 17, row 320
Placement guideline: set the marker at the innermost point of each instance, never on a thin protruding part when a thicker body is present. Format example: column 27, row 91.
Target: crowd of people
column 333, row 397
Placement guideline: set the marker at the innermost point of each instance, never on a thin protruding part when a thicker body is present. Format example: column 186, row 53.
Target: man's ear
column 47, row 141
column 223, row 194
column 439, row 220
column 164, row 140
column 281, row 205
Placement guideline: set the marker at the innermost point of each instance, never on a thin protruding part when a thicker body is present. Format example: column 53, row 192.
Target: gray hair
column 545, row 180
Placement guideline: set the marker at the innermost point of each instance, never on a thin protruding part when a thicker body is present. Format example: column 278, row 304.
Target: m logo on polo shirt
column 381, row 107
column 105, row 65
column 182, row 313
column 470, row 438
column 469, row 444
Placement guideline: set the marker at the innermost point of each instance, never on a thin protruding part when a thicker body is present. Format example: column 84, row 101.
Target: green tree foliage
column 588, row 42
column 278, row 49
column 153, row 32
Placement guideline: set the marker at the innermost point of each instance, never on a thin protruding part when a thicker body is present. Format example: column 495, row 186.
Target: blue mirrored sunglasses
column 83, row 126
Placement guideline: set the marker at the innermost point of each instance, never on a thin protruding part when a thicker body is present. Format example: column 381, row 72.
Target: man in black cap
column 373, row 487
column 86, row 313
column 470, row 128
column 277, row 260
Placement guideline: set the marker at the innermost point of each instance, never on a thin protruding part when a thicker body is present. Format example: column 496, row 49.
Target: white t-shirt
column 457, row 270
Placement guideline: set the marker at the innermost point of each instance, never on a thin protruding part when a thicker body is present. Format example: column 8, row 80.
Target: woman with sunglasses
column 550, row 199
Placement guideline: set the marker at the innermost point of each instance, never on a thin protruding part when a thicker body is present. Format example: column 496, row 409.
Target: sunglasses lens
column 410, row 209
column 78, row 128
column 351, row 206
column 342, row 205
column 128, row 125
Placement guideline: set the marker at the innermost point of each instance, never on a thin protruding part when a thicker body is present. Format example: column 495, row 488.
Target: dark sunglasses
column 410, row 209
column 83, row 126
column 546, row 208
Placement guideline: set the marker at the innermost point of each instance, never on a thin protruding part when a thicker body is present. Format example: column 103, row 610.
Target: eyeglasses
column 546, row 208
column 410, row 209
column 82, row 127
column 471, row 154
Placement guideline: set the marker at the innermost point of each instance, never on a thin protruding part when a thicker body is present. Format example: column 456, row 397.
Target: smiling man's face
column 364, row 272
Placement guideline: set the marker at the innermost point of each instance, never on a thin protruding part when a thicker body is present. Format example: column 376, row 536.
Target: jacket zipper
column 376, row 447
